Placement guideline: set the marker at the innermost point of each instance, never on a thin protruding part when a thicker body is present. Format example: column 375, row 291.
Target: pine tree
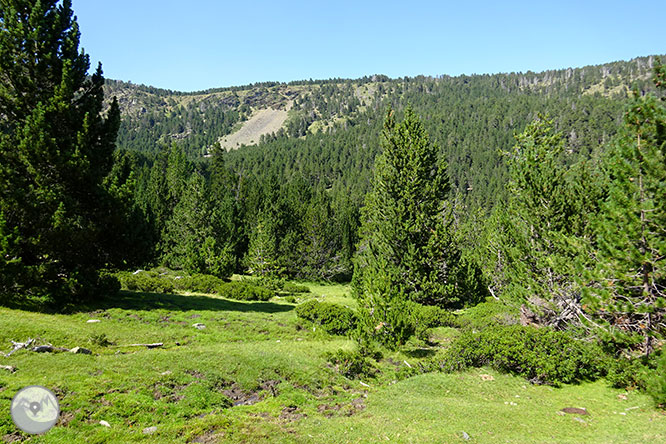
column 189, row 241
column 407, row 250
column 56, row 146
column 226, row 199
column 261, row 259
column 319, row 248
column 627, row 286
column 530, row 241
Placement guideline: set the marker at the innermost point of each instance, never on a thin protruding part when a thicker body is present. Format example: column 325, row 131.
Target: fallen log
column 155, row 345
column 19, row 346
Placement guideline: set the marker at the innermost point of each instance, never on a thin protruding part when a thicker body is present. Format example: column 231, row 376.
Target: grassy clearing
column 256, row 355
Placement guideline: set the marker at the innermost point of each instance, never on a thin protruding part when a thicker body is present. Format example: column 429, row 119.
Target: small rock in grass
column 92, row 321
column 199, row 326
column 81, row 351
column 168, row 372
column 104, row 423
column 465, row 436
column 487, row 377
column 9, row 368
column 149, row 430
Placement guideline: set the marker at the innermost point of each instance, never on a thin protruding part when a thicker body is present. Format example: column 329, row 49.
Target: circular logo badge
column 35, row 409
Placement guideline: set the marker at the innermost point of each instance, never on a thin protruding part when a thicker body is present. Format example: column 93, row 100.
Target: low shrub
column 333, row 318
column 543, row 356
column 244, row 291
column 271, row 282
column 656, row 384
column 290, row 287
column 352, row 364
column 628, row 373
column 426, row 317
column 146, row 281
column 108, row 284
column 485, row 314
column 198, row 283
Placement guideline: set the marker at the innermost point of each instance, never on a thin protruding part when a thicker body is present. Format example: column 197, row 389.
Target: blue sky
column 199, row 44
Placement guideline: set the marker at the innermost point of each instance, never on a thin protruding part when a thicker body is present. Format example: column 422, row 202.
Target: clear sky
column 200, row 44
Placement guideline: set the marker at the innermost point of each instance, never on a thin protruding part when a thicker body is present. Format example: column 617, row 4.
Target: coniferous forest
column 525, row 210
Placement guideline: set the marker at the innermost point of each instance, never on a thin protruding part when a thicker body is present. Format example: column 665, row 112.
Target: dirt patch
column 358, row 403
column 169, row 390
column 575, row 411
column 270, row 386
column 263, row 122
column 65, row 418
column 291, row 413
column 207, row 438
column 14, row 437
column 329, row 410
column 195, row 374
column 238, row 396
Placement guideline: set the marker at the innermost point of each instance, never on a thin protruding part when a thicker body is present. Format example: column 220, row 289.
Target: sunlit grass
column 259, row 349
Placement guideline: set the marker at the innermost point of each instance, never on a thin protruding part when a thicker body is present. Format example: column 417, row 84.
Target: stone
column 104, row 423
column 149, row 430
column 80, row 351
column 199, row 326
column 92, row 321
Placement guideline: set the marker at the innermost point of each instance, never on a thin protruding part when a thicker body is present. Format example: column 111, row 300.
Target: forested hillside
column 331, row 134
column 301, row 188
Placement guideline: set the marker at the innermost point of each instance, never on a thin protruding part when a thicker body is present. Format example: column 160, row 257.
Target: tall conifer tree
column 56, row 146
column 408, row 252
column 627, row 287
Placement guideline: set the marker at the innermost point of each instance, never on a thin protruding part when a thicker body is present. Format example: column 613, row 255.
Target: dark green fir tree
column 189, row 241
column 627, row 285
column 407, row 252
column 56, row 147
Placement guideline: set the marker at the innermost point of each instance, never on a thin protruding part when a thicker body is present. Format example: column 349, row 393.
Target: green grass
column 257, row 351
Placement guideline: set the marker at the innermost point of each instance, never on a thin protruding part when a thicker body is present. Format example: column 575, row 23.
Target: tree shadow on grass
column 129, row 300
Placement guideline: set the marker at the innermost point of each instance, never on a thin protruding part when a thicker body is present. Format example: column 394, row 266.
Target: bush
column 543, row 356
column 656, row 386
column 294, row 288
column 198, row 283
column 333, row 318
column 428, row 316
column 244, row 291
column 628, row 373
column 352, row 364
column 485, row 314
column 146, row 281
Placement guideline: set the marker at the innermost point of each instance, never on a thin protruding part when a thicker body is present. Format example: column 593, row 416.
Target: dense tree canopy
column 56, row 147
